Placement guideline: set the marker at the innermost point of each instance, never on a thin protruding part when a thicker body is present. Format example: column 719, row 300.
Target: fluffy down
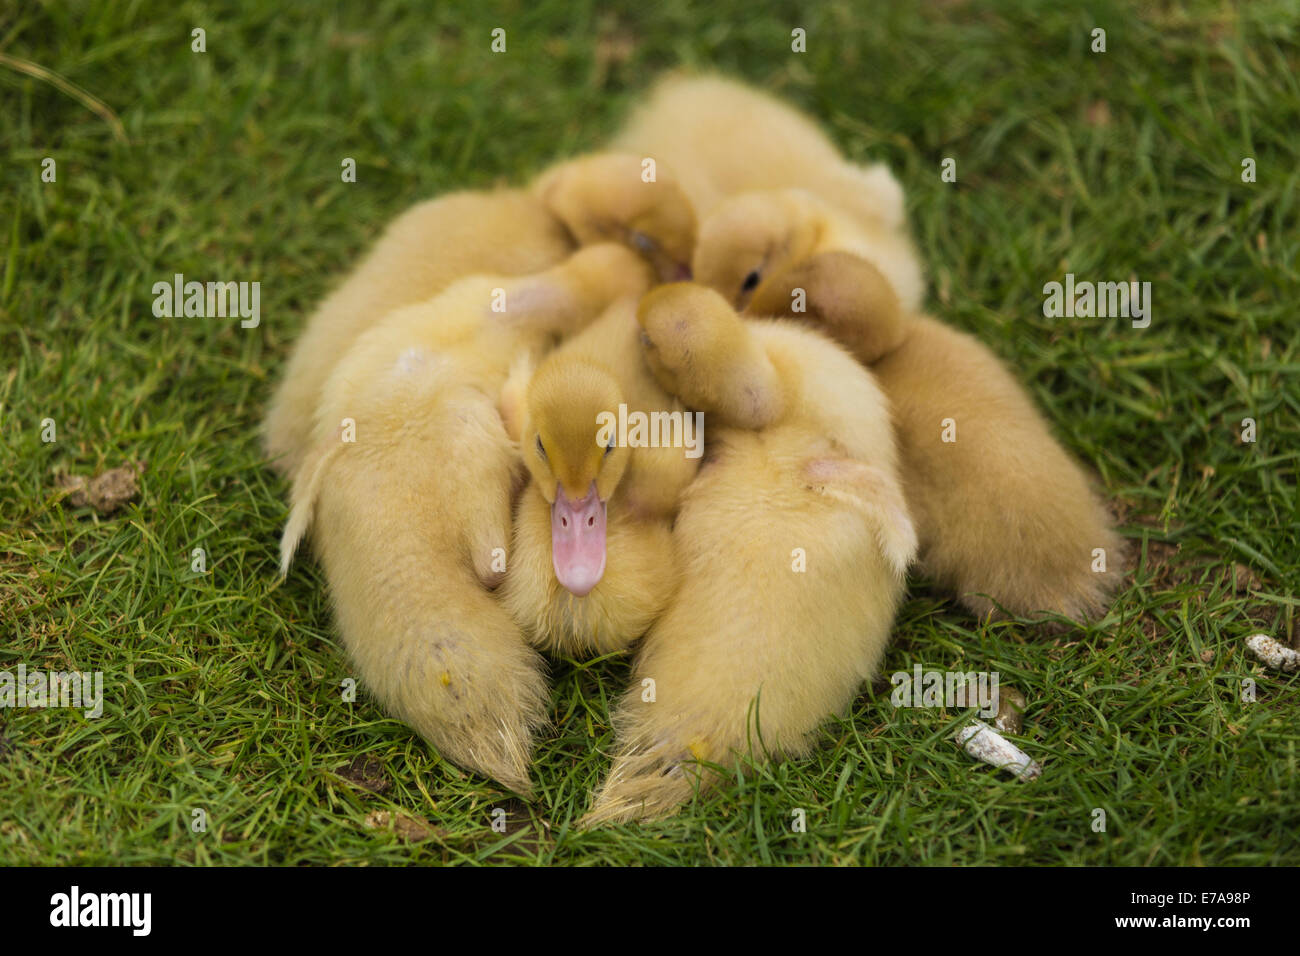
column 422, row 252
column 791, row 545
column 720, row 139
column 592, row 375
column 406, row 487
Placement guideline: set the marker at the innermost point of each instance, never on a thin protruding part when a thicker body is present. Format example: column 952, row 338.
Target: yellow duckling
column 791, row 543
column 407, row 486
column 501, row 232
column 841, row 295
column 722, row 138
column 1005, row 516
column 505, row 232
column 787, row 252
column 610, row 197
column 592, row 564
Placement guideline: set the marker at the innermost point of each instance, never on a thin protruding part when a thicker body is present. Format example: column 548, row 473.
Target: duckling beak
column 578, row 540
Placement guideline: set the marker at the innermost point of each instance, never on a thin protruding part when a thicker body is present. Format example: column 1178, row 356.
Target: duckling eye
column 643, row 243
column 751, row 282
column 541, row 449
column 609, row 449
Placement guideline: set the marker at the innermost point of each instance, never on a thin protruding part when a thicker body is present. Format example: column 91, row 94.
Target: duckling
column 592, row 563
column 764, row 247
column 420, row 253
column 791, row 545
column 1007, row 520
column 505, row 231
column 840, row 294
column 604, row 197
column 723, row 138
column 407, row 487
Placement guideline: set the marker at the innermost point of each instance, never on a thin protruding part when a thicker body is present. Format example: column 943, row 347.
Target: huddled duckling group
column 440, row 424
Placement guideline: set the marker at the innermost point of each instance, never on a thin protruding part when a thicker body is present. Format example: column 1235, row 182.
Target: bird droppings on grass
column 409, row 829
column 368, row 773
column 1273, row 653
column 984, row 743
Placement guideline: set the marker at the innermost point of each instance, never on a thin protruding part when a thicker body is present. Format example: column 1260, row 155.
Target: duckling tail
column 423, row 633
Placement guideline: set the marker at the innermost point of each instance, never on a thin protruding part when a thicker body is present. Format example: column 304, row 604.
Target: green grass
column 223, row 689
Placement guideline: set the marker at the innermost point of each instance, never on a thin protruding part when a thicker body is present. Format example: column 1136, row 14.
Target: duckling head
column 576, row 462
column 750, row 237
column 604, row 197
column 690, row 337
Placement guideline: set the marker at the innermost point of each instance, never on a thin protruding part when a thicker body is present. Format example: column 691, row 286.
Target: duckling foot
column 872, row 492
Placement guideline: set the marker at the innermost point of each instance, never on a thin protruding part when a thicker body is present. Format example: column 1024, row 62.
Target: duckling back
column 721, row 137
column 420, row 253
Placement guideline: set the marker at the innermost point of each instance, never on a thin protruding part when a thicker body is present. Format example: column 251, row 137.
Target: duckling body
column 616, row 197
column 420, row 253
column 721, row 138
column 1006, row 518
column 791, row 545
column 592, row 374
column 407, row 484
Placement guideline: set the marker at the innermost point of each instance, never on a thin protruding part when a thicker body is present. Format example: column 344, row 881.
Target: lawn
column 222, row 687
